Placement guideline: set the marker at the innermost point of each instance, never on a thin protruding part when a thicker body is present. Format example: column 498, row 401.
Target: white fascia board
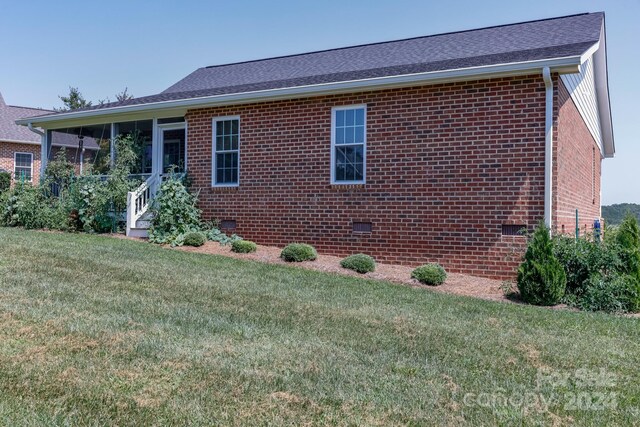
column 569, row 64
column 587, row 54
column 602, row 95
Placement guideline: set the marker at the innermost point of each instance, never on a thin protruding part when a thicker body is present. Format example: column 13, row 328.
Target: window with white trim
column 226, row 152
column 348, row 144
column 23, row 166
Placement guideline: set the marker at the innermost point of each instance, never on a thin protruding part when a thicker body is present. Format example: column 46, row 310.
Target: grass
column 95, row 331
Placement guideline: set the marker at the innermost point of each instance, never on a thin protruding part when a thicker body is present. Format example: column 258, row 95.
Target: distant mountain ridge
column 614, row 214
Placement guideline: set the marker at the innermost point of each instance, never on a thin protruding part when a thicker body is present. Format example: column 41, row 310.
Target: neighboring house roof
column 11, row 132
column 562, row 44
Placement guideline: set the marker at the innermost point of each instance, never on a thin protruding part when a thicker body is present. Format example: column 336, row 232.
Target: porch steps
column 142, row 226
column 138, row 205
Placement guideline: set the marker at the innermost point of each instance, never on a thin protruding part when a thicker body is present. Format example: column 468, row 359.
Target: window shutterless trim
column 15, row 165
column 214, row 158
column 333, row 145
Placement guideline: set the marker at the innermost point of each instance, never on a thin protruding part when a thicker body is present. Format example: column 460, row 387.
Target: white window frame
column 214, row 160
column 333, row 145
column 15, row 165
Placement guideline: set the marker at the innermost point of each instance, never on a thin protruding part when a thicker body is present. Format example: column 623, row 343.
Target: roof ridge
column 398, row 40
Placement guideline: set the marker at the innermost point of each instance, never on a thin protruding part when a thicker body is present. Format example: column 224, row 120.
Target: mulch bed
column 459, row 284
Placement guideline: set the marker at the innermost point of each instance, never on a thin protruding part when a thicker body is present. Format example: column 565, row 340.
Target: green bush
column 359, row 262
column 628, row 239
column 26, row 206
column 5, row 181
column 87, row 203
column 174, row 212
column 60, row 172
column 430, row 274
column 601, row 276
column 215, row 235
column 91, row 199
column 298, row 252
column 613, row 293
column 243, row 246
column 194, row 238
column 584, row 257
column 541, row 277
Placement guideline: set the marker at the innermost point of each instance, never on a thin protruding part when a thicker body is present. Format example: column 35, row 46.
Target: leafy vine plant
column 175, row 214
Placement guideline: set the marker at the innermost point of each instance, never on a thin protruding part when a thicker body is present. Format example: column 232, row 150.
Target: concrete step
column 138, row 232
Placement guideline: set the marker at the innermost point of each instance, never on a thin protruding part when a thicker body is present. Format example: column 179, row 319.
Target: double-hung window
column 226, row 152
column 348, row 144
column 23, row 166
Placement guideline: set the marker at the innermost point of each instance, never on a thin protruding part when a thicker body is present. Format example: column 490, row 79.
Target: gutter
column 44, row 152
column 32, row 129
column 548, row 146
column 569, row 64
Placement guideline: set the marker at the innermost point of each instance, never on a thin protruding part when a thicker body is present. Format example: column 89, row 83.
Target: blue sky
column 101, row 47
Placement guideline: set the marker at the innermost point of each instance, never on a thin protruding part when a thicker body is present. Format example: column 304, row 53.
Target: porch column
column 156, row 152
column 45, row 149
column 156, row 157
column 112, row 146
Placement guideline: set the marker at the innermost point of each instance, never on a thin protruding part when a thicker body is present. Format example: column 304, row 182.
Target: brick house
column 20, row 150
column 437, row 148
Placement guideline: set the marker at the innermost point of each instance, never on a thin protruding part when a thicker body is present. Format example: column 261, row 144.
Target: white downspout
column 44, row 155
column 548, row 147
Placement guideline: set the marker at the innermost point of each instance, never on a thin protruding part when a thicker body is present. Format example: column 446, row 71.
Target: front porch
column 160, row 145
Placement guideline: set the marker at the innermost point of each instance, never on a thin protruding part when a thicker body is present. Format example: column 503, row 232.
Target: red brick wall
column 577, row 167
column 7, row 151
column 447, row 165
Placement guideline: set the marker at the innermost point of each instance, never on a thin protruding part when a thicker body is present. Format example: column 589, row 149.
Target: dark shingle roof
column 528, row 41
column 509, row 43
column 10, row 131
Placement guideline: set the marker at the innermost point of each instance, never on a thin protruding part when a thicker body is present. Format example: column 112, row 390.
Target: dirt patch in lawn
column 460, row 284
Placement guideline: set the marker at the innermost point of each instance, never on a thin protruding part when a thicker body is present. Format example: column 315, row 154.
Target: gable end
column 582, row 89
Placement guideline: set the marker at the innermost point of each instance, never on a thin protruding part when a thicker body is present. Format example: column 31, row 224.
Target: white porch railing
column 139, row 201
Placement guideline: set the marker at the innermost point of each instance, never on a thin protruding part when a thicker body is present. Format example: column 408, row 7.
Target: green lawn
column 96, row 330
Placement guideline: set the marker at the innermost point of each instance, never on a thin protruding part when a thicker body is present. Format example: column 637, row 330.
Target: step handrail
column 139, row 200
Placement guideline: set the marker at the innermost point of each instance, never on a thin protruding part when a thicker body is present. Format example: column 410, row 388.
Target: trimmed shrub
column 243, row 246
column 298, row 252
column 360, row 263
column 430, row 274
column 541, row 277
column 5, row 181
column 194, row 239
